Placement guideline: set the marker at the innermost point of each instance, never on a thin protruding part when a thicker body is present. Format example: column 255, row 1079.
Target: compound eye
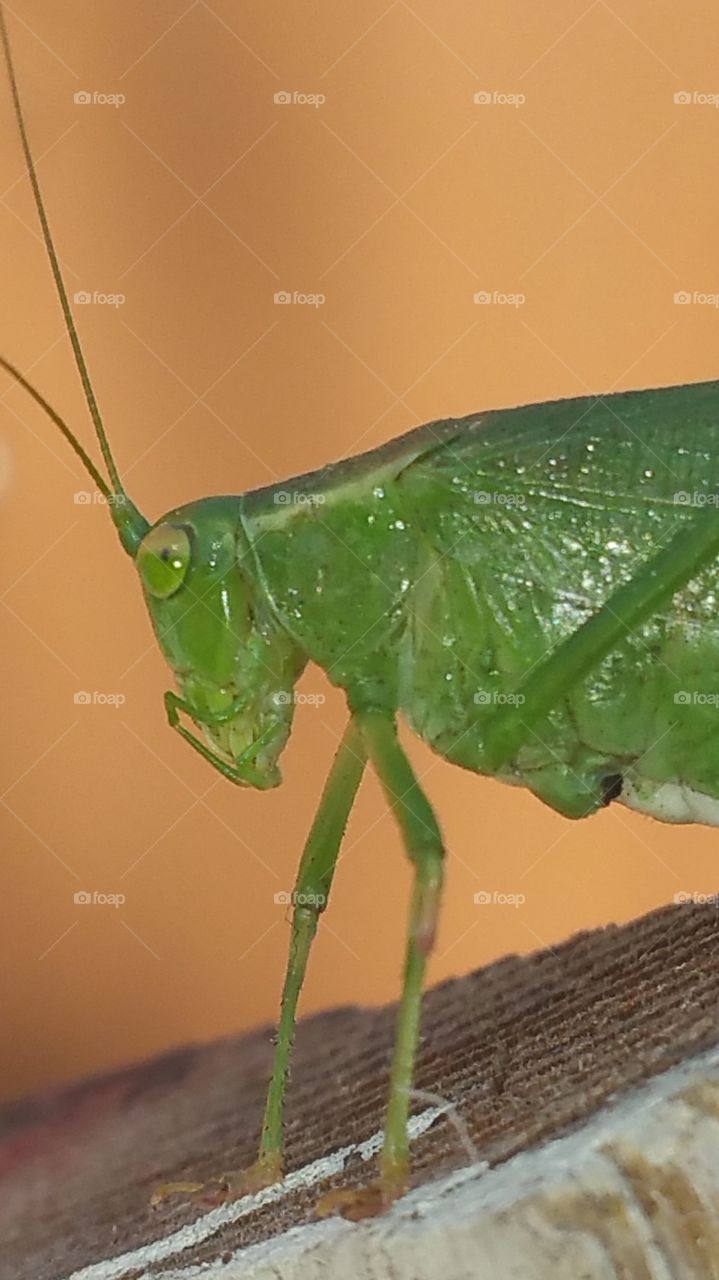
column 163, row 559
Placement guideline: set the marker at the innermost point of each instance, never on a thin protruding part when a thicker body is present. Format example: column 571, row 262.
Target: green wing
column 529, row 522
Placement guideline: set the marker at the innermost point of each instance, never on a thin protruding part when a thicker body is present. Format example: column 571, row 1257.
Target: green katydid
column 534, row 590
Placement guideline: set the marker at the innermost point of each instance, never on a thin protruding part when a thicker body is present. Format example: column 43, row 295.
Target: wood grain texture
column 566, row 1123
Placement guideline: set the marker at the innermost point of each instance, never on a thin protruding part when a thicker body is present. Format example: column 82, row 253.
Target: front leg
column 312, row 888
column 311, row 894
column 424, row 847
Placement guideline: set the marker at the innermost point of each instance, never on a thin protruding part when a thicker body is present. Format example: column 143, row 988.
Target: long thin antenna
column 62, row 292
column 59, row 422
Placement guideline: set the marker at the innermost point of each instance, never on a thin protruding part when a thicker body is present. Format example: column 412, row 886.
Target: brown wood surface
column 524, row 1050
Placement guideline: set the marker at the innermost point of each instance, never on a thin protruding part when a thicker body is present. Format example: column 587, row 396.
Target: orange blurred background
column 581, row 185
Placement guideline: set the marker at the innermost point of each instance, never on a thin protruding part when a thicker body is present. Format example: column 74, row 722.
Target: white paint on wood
column 203, row 1228
column 576, row 1206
